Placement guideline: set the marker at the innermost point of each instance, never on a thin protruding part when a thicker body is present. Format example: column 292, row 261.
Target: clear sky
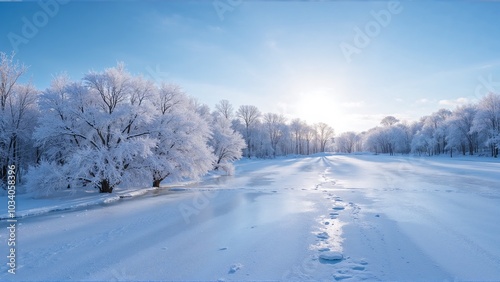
column 346, row 63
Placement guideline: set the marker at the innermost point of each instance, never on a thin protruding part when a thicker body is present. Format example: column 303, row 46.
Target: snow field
column 320, row 218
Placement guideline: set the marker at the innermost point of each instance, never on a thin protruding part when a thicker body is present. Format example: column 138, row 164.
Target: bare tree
column 225, row 109
column 308, row 132
column 324, row 134
column 297, row 129
column 275, row 127
column 389, row 120
column 249, row 115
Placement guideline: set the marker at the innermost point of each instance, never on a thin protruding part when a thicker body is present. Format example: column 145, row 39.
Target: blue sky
column 283, row 57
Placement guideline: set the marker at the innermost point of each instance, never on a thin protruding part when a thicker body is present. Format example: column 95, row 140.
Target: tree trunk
column 156, row 183
column 105, row 187
column 3, row 175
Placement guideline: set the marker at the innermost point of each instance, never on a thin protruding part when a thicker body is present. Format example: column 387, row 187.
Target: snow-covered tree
column 227, row 144
column 113, row 128
column 393, row 137
column 389, row 121
column 435, row 127
column 378, row 140
column 346, row 142
column 180, row 137
column 460, row 134
column 422, row 144
column 487, row 121
column 105, row 117
column 324, row 134
column 18, row 117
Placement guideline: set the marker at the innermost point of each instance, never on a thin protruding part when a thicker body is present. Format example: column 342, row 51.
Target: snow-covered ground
column 321, row 218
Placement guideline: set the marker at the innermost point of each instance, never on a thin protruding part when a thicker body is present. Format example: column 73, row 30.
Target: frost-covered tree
column 309, row 133
column 10, row 72
column 346, row 142
column 402, row 133
column 249, row 115
column 113, row 128
column 297, row 130
column 389, row 139
column 106, row 119
column 435, row 129
column 460, row 134
column 422, row 144
column 275, row 127
column 227, row 144
column 378, row 140
column 389, row 121
column 324, row 134
column 18, row 117
column 487, row 121
column 225, row 109
column 180, row 135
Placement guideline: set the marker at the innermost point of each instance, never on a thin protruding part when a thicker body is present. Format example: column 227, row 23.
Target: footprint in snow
column 358, row 267
column 235, row 267
column 331, row 256
column 341, row 276
column 323, row 235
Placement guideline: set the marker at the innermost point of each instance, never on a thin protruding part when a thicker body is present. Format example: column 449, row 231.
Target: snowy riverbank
column 318, row 218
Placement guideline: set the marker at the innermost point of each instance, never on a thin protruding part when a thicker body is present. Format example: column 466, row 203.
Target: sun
column 317, row 106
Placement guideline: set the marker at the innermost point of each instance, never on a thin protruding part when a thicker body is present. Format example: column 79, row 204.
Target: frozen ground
column 321, row 218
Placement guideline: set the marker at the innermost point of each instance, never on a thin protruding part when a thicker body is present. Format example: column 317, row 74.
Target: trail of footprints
column 329, row 239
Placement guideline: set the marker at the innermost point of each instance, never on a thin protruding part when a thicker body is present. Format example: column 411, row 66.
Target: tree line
column 113, row 128
column 468, row 130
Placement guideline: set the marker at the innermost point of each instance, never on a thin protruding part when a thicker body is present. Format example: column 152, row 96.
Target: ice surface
column 401, row 218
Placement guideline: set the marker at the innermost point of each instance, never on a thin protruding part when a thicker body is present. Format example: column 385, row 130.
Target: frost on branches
column 226, row 143
column 181, row 137
column 113, row 128
column 17, row 118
